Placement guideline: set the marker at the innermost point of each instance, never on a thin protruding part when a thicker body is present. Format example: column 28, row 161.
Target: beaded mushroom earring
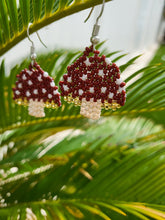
column 93, row 82
column 35, row 88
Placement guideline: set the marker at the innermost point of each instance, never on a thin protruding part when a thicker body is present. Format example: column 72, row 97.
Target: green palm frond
column 158, row 59
column 115, row 132
column 16, row 15
column 76, row 209
column 85, row 180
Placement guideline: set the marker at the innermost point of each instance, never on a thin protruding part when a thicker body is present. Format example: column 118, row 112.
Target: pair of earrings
column 92, row 82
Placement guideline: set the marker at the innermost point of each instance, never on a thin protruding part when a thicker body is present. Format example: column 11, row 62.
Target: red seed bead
column 95, row 57
column 104, row 71
column 75, row 65
column 80, row 74
column 118, row 76
column 91, row 59
column 84, row 71
column 65, row 77
column 77, row 62
column 84, row 58
column 86, row 53
column 87, row 49
column 117, row 69
column 97, row 83
column 80, row 59
column 109, row 67
column 81, row 68
column 104, row 64
column 118, row 101
column 96, row 71
column 99, row 59
column 107, row 92
column 95, row 64
column 122, row 84
column 91, row 48
column 92, row 66
column 96, row 52
column 84, row 65
column 104, row 84
column 37, row 66
column 69, row 68
column 103, row 57
column 95, row 99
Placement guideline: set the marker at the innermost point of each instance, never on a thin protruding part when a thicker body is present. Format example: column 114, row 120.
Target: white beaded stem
column 36, row 108
column 91, row 109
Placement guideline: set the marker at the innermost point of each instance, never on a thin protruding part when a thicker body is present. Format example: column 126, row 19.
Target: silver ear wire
column 95, row 38
column 101, row 12
column 33, row 55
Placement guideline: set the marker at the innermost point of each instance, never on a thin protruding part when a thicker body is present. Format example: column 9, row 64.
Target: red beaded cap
column 94, row 76
column 35, row 84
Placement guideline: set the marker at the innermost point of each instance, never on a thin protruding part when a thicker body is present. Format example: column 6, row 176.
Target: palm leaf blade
column 12, row 9
column 4, row 20
column 25, row 12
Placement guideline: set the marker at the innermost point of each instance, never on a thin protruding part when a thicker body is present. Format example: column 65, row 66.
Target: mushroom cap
column 35, row 84
column 93, row 76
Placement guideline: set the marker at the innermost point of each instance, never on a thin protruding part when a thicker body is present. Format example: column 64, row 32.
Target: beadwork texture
column 36, row 89
column 93, row 82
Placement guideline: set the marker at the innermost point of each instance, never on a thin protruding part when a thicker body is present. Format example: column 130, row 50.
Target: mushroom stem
column 91, row 109
column 36, row 108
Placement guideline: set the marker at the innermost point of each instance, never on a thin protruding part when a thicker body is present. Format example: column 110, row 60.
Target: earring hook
column 99, row 16
column 28, row 35
column 33, row 55
column 95, row 38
